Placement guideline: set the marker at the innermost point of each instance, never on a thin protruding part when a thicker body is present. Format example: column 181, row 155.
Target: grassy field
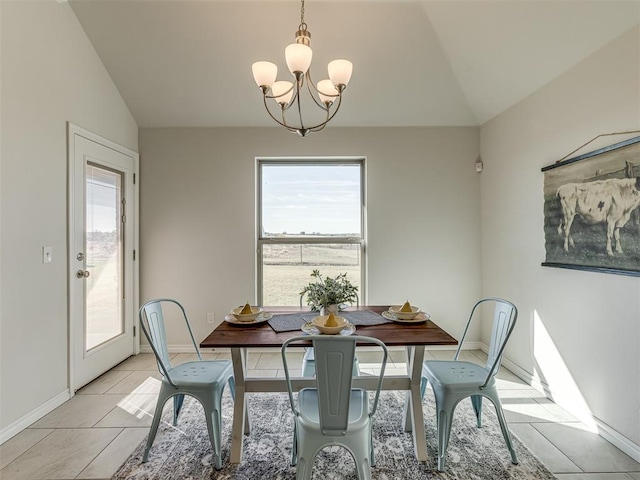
column 287, row 268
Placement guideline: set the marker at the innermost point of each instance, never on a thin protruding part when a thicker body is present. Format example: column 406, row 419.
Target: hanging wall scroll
column 592, row 210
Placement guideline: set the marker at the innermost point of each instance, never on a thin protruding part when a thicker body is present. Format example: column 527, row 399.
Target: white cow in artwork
column 608, row 201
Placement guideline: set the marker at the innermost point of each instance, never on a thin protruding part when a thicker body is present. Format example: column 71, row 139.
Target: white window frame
column 296, row 239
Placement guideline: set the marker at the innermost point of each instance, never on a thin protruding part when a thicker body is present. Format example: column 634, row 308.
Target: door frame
column 73, row 130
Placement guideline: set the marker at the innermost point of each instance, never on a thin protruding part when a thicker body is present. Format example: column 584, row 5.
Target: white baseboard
column 605, row 431
column 33, row 416
column 145, row 348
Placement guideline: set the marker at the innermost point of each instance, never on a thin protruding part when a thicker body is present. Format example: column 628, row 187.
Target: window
column 310, row 216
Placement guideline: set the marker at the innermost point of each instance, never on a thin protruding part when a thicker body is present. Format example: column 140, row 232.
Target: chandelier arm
column 299, row 105
column 311, row 94
column 295, row 97
column 288, row 127
column 282, row 95
column 320, row 126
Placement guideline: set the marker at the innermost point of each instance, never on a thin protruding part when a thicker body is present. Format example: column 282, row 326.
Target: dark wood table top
column 227, row 335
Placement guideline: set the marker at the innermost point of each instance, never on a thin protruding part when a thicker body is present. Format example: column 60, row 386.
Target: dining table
column 241, row 339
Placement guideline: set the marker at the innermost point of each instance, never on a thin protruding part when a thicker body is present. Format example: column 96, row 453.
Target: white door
column 102, row 232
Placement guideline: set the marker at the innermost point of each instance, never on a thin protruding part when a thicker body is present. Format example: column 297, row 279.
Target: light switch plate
column 47, row 254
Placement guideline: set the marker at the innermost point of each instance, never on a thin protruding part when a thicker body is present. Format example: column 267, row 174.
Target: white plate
column 421, row 317
column 310, row 329
column 263, row 317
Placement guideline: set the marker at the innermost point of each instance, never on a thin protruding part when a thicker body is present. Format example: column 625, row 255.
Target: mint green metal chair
column 203, row 379
column 453, row 381
column 333, row 413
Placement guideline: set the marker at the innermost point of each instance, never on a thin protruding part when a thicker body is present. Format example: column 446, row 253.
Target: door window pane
column 104, row 319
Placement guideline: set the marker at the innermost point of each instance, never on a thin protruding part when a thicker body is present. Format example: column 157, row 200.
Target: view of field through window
column 319, row 206
column 103, row 315
column 287, row 268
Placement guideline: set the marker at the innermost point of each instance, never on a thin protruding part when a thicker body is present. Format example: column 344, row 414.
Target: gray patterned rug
column 473, row 454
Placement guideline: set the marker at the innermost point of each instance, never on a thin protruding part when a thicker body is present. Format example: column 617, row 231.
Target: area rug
column 184, row 452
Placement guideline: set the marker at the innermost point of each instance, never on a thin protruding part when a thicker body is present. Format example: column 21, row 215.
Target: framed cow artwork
column 592, row 210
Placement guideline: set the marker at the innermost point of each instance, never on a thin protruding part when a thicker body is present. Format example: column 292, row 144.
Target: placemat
column 290, row 322
column 364, row 318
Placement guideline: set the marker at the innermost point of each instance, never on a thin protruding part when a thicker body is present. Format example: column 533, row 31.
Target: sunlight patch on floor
column 141, row 402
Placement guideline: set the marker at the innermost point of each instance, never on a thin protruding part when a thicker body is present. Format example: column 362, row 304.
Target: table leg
column 406, row 412
column 240, row 411
column 414, row 416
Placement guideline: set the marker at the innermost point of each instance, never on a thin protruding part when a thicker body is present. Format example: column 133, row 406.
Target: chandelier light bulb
column 298, row 58
column 264, row 73
column 340, row 72
column 327, row 91
column 282, row 92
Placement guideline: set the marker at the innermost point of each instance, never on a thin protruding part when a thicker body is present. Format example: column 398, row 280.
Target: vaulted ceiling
column 183, row 63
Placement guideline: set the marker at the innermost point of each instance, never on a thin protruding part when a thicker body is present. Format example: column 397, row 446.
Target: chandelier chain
column 303, row 26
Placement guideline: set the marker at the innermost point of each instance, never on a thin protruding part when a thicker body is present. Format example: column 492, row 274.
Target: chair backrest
column 152, row 324
column 334, row 375
column 504, row 320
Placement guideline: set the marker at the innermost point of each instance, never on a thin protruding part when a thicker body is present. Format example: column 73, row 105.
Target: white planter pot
column 335, row 308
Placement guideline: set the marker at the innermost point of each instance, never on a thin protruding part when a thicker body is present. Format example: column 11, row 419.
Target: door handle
column 82, row 273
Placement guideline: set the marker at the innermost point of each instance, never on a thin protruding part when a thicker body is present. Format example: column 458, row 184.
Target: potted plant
column 326, row 293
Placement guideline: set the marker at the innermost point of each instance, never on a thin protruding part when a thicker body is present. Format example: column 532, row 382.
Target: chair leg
column 503, row 426
column 232, row 387
column 305, row 459
column 303, row 469
column 360, row 452
column 372, row 454
column 423, row 386
column 177, row 406
column 308, row 368
column 476, row 401
column 294, row 447
column 213, row 425
column 445, row 418
column 157, row 415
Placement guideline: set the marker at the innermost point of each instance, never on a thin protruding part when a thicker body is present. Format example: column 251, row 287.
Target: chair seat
column 310, row 411
column 201, row 374
column 456, row 375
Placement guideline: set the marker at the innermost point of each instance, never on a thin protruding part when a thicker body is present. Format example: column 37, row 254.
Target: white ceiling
column 416, row 63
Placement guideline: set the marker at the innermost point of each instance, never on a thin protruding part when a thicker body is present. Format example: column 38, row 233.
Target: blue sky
column 311, row 198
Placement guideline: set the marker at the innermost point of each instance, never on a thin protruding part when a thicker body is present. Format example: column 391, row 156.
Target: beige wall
column 197, row 201
column 50, row 75
column 579, row 332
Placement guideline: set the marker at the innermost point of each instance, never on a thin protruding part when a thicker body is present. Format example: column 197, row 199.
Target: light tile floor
column 92, row 434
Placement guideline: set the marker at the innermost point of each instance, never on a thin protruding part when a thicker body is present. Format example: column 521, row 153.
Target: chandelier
column 326, row 94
